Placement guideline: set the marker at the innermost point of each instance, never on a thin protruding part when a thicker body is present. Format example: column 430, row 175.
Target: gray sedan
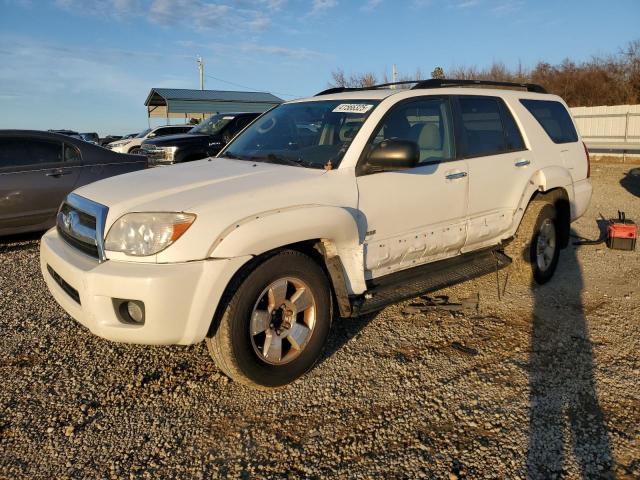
column 38, row 169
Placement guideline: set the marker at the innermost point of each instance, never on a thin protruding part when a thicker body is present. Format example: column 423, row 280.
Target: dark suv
column 204, row 140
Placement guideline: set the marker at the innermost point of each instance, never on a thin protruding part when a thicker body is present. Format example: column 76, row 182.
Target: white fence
column 614, row 129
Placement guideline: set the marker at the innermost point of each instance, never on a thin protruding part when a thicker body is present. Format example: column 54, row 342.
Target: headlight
column 142, row 234
column 170, row 153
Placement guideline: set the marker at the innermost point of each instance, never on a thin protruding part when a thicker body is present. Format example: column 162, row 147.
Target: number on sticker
column 352, row 108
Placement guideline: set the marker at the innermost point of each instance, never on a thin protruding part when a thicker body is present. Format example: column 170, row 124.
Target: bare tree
column 355, row 80
column 602, row 80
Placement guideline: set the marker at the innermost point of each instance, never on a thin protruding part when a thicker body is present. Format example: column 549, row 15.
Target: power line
column 250, row 88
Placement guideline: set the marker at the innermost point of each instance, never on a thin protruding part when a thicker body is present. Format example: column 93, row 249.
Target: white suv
column 346, row 201
column 134, row 145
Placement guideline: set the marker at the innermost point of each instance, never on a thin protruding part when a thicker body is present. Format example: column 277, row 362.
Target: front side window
column 13, row 153
column 554, row 119
column 310, row 134
column 426, row 122
column 143, row 134
column 19, row 152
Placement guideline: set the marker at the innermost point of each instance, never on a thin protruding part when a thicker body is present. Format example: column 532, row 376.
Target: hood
column 178, row 139
column 119, row 143
column 219, row 192
column 185, row 187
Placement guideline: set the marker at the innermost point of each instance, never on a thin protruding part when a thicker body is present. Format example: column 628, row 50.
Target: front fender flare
column 271, row 229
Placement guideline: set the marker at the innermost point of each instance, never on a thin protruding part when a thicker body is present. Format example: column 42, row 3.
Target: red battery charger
column 622, row 233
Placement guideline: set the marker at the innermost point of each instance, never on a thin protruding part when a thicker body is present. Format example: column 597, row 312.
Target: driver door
column 418, row 215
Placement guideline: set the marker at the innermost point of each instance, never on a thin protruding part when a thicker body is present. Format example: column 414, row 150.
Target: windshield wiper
column 271, row 158
column 232, row 156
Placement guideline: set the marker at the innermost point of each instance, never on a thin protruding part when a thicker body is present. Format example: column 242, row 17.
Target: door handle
column 56, row 173
column 522, row 163
column 455, row 175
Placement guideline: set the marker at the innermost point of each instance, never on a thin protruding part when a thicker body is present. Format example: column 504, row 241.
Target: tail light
column 586, row 152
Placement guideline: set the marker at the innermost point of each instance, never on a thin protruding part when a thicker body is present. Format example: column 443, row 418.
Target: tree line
column 602, row 80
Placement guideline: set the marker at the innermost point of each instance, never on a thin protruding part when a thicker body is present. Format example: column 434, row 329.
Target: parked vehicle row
column 132, row 145
column 204, row 140
column 38, row 170
column 346, row 201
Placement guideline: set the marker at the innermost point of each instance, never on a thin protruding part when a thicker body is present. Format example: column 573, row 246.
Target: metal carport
column 184, row 103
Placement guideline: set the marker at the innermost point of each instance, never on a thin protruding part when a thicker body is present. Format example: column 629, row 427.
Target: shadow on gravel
column 21, row 241
column 563, row 403
column 631, row 181
column 343, row 330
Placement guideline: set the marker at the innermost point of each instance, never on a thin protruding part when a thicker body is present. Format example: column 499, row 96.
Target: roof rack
column 437, row 83
column 329, row 91
column 446, row 82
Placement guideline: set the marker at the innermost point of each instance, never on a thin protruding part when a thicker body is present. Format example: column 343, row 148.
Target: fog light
column 135, row 312
column 129, row 311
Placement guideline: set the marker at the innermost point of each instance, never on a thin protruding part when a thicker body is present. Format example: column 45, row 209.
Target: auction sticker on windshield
column 352, row 108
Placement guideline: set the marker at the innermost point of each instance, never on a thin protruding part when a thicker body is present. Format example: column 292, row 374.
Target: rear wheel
column 274, row 326
column 535, row 248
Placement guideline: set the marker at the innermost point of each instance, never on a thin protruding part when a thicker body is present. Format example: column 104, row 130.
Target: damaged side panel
column 414, row 248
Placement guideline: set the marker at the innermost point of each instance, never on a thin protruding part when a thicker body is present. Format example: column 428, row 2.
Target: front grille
column 85, row 219
column 68, row 289
column 80, row 223
column 80, row 245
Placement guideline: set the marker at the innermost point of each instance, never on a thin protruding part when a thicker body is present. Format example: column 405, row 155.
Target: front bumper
column 180, row 299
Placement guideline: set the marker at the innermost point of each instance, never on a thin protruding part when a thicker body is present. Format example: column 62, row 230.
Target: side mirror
column 390, row 155
column 151, row 135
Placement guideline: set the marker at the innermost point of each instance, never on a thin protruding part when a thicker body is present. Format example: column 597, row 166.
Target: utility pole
column 201, row 67
column 394, row 75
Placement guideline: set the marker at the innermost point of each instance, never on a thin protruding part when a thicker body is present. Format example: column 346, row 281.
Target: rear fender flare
column 542, row 181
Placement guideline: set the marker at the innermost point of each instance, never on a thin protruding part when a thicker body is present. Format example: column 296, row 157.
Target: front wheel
column 535, row 248
column 273, row 328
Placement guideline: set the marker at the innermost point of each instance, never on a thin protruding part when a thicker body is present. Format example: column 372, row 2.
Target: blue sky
column 89, row 64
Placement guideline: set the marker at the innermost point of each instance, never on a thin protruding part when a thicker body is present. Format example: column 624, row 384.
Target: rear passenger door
column 35, row 176
column 499, row 166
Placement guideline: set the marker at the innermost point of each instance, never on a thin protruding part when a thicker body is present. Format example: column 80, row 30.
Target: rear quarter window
column 553, row 118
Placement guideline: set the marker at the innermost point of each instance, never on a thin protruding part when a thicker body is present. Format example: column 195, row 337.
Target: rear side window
column 512, row 135
column 554, row 119
column 71, row 154
column 482, row 126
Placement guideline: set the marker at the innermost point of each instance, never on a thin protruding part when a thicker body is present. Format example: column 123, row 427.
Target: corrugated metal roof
column 160, row 96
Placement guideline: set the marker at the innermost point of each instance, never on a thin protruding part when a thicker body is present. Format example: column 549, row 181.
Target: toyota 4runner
column 333, row 205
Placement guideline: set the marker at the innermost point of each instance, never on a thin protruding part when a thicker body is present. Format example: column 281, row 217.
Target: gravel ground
column 541, row 384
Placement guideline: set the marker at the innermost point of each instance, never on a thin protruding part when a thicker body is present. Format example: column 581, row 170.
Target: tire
column 535, row 248
column 250, row 326
column 134, row 151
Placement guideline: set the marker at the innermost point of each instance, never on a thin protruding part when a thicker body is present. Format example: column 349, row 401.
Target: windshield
column 143, row 134
column 308, row 134
column 212, row 125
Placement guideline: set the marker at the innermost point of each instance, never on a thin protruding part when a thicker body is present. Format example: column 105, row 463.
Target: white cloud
column 321, row 6
column 467, row 4
column 47, row 69
column 227, row 15
column 505, row 7
column 370, row 5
